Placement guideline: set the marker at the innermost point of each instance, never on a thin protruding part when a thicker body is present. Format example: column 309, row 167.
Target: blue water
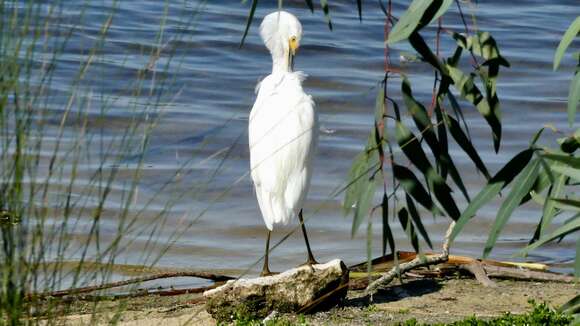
column 209, row 91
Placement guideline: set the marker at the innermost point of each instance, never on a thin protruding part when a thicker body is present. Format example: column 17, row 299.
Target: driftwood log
column 302, row 289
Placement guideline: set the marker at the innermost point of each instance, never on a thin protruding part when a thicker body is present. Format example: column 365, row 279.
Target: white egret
column 283, row 131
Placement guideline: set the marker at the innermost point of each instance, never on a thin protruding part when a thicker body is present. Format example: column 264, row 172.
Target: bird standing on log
column 283, row 131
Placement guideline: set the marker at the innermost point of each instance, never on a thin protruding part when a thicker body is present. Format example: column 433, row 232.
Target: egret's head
column 281, row 32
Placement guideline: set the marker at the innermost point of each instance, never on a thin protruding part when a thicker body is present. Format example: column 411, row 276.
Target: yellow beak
column 293, row 46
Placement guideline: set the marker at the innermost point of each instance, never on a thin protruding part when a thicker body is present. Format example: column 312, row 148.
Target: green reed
column 47, row 195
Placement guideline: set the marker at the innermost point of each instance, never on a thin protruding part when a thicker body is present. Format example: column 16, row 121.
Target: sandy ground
column 427, row 300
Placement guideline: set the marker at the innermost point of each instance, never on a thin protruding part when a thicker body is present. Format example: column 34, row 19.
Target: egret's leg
column 311, row 260
column 266, row 269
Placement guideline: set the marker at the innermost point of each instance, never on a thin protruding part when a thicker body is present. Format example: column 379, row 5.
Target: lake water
column 212, row 90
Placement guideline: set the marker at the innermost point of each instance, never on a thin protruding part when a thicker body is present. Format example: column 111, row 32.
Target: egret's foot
column 267, row 273
column 311, row 261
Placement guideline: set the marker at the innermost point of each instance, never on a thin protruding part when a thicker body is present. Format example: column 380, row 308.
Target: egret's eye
column 293, row 39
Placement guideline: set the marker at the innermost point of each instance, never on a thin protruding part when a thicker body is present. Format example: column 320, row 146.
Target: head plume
column 277, row 28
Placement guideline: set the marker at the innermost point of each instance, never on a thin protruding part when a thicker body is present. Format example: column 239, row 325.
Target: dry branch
column 415, row 263
column 88, row 289
column 524, row 274
column 476, row 268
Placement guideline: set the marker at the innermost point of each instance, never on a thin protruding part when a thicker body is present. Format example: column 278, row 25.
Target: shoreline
column 427, row 300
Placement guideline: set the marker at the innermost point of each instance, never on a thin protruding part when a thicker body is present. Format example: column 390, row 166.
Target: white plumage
column 283, row 128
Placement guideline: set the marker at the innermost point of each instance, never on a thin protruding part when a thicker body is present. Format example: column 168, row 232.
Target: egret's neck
column 281, row 61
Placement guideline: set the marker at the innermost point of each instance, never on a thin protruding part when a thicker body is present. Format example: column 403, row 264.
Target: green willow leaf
column 493, row 187
column 414, row 152
column 419, row 14
column 521, row 187
column 572, row 225
column 542, row 182
column 458, row 114
column 571, row 161
column 417, row 219
column 577, row 263
column 413, row 187
column 411, row 147
column 573, row 98
column 310, row 5
column 363, row 204
column 567, row 204
column 408, row 227
column 443, row 194
column 465, row 143
column 470, row 92
column 566, row 40
column 568, row 171
column 549, row 210
column 249, row 21
column 418, row 43
column 356, row 178
column 380, row 105
column 484, row 45
column 572, row 306
column 326, row 11
column 421, row 119
column 387, row 233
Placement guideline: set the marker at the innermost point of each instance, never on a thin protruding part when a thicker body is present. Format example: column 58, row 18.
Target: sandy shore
column 427, row 300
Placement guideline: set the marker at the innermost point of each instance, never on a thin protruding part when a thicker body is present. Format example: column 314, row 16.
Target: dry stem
column 417, row 262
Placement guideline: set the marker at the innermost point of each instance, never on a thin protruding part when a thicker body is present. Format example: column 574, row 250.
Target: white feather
column 283, row 129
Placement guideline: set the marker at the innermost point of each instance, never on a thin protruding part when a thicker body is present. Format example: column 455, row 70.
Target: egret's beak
column 293, row 45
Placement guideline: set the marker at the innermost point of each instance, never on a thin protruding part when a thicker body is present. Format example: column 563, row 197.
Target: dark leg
column 311, row 260
column 266, row 269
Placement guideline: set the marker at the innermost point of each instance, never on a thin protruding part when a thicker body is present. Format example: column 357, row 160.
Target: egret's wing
column 282, row 134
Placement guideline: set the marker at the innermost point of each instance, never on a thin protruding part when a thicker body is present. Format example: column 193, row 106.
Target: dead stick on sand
column 68, row 292
column 417, row 262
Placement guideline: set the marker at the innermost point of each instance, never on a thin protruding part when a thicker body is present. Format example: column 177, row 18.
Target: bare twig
column 415, row 263
column 88, row 289
column 525, row 274
column 140, row 293
column 476, row 268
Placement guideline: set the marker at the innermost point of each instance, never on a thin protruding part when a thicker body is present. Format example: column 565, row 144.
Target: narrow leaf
column 408, row 227
column 470, row 92
column 568, row 204
column 417, row 219
column 413, row 187
column 573, row 98
column 363, row 204
column 521, row 187
column 493, row 187
column 566, row 40
column 387, row 233
column 465, row 143
column 572, row 226
column 443, row 194
column 571, row 161
column 549, row 210
column 326, row 10
column 249, row 21
column 411, row 147
column 310, row 5
column 419, row 14
column 568, row 171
